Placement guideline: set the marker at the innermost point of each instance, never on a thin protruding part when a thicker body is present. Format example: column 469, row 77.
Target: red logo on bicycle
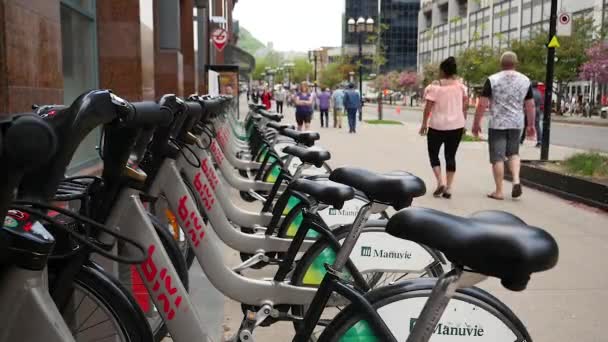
column 217, row 153
column 194, row 228
column 222, row 137
column 162, row 288
column 204, row 191
column 209, row 173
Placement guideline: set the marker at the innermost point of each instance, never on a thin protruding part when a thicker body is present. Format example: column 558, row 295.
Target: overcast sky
column 292, row 25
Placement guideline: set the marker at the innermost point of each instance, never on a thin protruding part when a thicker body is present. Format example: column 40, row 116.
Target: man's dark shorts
column 302, row 118
column 504, row 143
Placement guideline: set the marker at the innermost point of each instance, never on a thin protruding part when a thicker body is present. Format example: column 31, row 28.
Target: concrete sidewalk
column 564, row 304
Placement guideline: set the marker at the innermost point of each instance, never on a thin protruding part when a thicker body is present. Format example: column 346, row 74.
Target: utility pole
column 544, row 151
column 361, row 74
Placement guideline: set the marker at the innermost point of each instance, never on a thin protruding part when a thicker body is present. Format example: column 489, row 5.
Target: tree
column 430, row 73
column 596, row 67
column 301, row 70
column 408, row 80
column 335, row 73
column 378, row 59
column 392, row 79
column 532, row 56
column 476, row 63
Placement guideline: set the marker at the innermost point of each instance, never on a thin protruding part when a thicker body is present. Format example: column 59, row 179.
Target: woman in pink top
column 447, row 100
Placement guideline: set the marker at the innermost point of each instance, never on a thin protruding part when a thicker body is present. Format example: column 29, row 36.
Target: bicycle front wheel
column 100, row 309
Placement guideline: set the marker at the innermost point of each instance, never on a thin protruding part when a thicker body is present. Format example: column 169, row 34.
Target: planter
column 572, row 188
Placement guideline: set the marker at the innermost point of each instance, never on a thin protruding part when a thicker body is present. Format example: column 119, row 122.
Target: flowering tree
column 408, row 80
column 596, row 67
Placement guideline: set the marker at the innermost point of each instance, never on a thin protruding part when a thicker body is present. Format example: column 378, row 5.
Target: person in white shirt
column 279, row 98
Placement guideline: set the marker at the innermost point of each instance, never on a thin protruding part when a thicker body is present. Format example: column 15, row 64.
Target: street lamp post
column 316, row 54
column 271, row 73
column 360, row 26
column 288, row 69
column 279, row 74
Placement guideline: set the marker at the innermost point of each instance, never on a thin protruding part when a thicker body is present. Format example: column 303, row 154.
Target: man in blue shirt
column 337, row 100
column 352, row 103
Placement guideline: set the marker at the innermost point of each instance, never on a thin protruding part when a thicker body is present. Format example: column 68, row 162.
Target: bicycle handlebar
column 148, row 113
column 20, row 152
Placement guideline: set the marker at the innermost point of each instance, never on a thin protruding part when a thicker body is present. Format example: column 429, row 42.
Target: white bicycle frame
column 28, row 311
column 208, row 187
column 241, row 289
column 157, row 273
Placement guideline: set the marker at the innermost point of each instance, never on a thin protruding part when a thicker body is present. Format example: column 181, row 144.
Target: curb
column 580, row 122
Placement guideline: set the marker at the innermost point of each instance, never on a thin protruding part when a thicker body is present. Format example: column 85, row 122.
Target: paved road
column 570, row 135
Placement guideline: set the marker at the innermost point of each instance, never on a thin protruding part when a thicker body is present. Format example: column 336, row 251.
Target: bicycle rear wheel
column 472, row 314
column 100, row 309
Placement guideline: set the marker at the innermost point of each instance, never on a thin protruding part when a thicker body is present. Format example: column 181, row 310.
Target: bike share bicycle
column 30, row 246
column 541, row 254
column 372, row 188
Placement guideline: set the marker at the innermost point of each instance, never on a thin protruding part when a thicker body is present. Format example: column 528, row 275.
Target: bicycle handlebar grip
column 149, row 113
column 29, row 141
column 213, row 107
column 194, row 113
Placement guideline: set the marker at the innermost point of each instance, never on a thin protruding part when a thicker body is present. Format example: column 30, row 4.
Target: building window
column 80, row 72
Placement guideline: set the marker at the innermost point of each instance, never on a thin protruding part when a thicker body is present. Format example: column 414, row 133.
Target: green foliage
column 335, row 73
column 588, row 164
column 383, row 122
column 430, row 73
column 248, row 42
column 379, row 58
column 570, row 55
column 470, row 138
column 532, row 55
column 475, row 64
column 302, row 68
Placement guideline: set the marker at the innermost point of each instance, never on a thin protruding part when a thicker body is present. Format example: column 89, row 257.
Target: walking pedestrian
column 279, row 98
column 255, row 96
column 352, row 103
column 304, row 101
column 337, row 100
column 538, row 118
column 447, row 100
column 266, row 98
column 507, row 93
column 324, row 99
column 248, row 94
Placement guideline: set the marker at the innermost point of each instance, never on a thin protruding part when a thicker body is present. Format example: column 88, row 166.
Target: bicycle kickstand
column 251, row 321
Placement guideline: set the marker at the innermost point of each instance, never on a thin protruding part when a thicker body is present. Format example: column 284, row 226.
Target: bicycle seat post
column 444, row 290
column 355, row 232
column 299, row 170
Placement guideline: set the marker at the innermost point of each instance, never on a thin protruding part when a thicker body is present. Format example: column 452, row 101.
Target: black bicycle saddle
column 307, row 155
column 327, row 192
column 396, row 189
column 278, row 126
column 270, row 115
column 304, row 138
column 493, row 243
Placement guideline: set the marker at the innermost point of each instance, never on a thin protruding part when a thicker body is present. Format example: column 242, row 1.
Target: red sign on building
column 219, row 38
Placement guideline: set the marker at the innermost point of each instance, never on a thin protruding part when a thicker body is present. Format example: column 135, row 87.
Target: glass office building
column 400, row 39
